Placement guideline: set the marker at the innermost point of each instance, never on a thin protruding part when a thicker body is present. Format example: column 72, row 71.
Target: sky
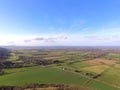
column 60, row 22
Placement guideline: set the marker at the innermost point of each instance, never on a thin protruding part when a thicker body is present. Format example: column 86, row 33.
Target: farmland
column 92, row 68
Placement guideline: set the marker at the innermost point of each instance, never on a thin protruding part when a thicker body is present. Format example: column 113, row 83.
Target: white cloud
column 102, row 36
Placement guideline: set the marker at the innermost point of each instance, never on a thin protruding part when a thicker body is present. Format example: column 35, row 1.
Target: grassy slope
column 37, row 74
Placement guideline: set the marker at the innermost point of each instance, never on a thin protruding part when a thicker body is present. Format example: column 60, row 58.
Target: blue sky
column 60, row 22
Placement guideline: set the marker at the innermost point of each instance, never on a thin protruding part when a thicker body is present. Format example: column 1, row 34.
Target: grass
column 36, row 74
column 96, row 69
column 39, row 75
column 101, row 86
column 112, row 76
column 79, row 65
column 74, row 66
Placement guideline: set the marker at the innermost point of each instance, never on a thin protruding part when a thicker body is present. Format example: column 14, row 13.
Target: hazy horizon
column 59, row 23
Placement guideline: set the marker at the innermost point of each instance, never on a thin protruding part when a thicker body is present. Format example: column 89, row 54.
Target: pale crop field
column 96, row 69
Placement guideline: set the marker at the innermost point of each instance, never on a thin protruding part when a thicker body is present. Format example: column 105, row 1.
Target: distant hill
column 4, row 53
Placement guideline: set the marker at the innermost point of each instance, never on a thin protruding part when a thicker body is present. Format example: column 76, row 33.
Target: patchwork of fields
column 94, row 69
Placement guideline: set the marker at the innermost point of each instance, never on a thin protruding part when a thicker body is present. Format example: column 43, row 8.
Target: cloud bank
column 105, row 36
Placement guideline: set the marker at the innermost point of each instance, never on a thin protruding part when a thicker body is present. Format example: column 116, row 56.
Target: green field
column 112, row 76
column 37, row 74
column 96, row 69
